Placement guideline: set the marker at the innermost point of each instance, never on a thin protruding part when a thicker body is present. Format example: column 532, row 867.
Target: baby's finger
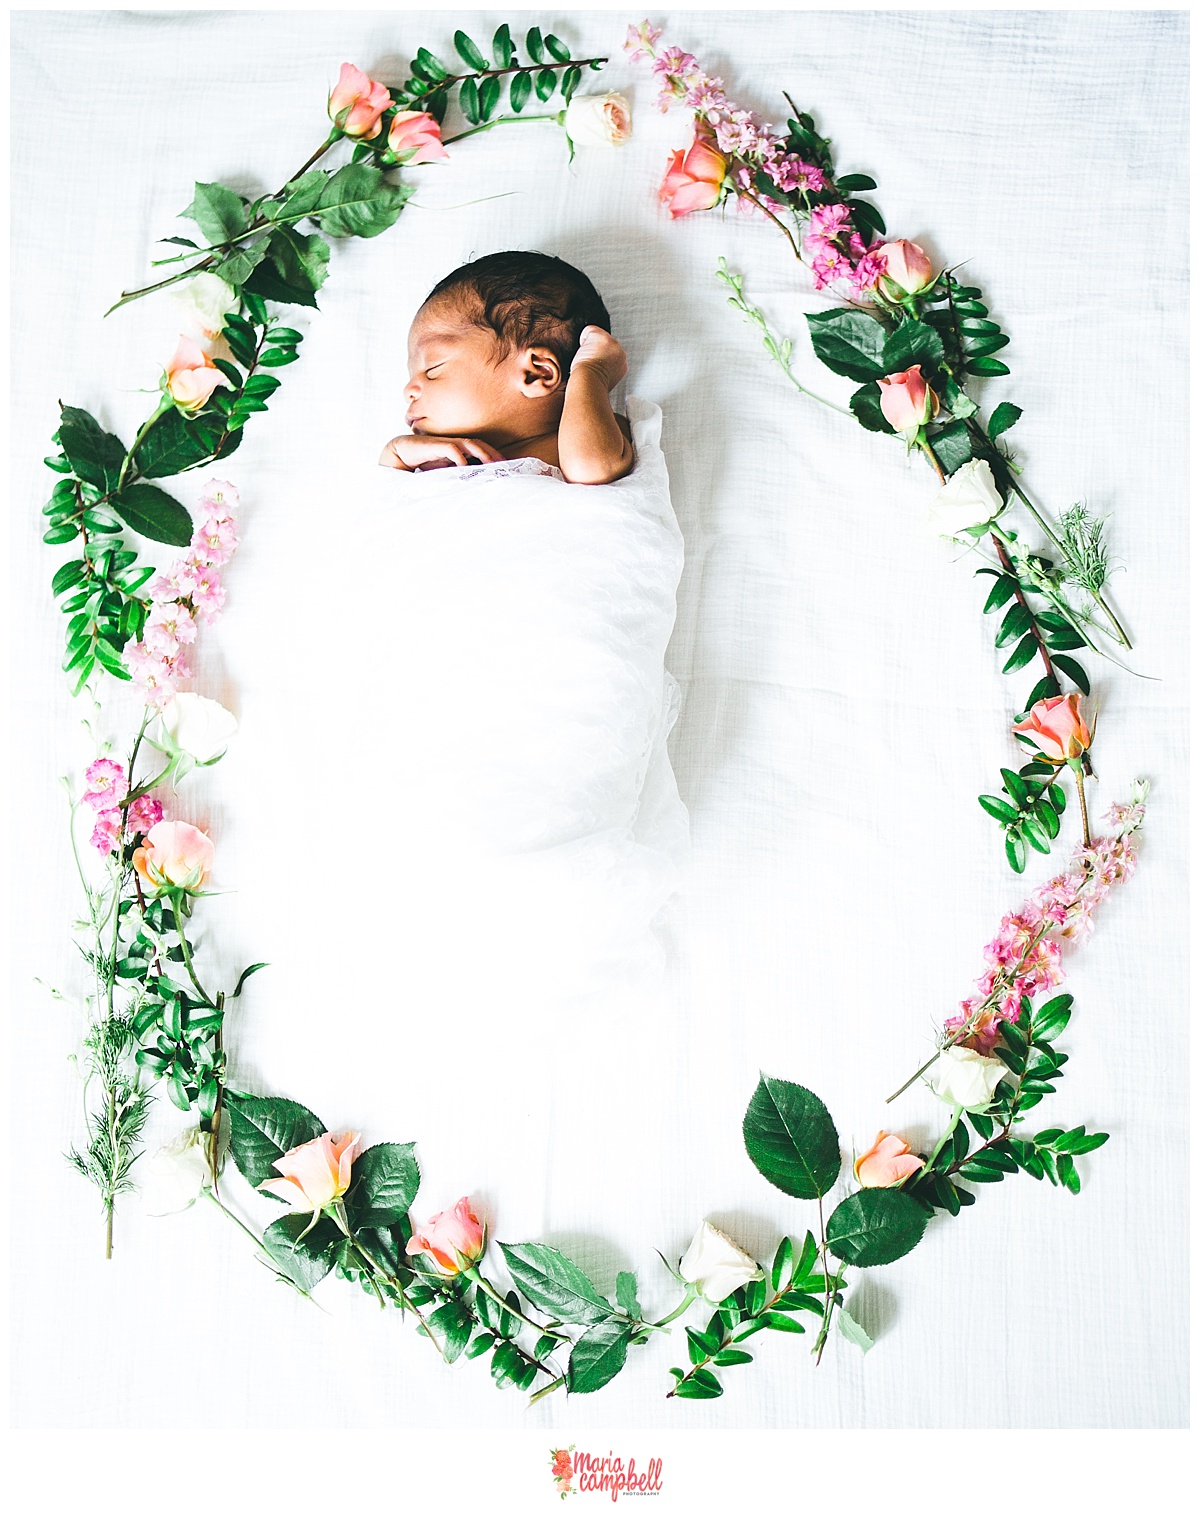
column 485, row 453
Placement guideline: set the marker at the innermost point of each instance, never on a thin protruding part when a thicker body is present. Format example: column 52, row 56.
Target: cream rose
column 175, row 1176
column 715, row 1265
column 599, row 119
column 968, row 499
column 204, row 302
column 197, row 726
column 965, row 1079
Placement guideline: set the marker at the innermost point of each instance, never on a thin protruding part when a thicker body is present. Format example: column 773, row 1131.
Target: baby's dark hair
column 529, row 298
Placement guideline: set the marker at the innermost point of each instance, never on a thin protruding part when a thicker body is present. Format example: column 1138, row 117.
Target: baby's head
column 490, row 350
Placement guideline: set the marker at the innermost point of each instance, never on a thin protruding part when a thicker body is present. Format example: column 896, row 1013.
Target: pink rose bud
column 174, row 854
column 454, row 1237
column 1057, row 728
column 356, row 103
column 887, row 1162
column 315, row 1174
column 191, row 376
column 907, row 265
column 693, row 179
column 907, row 400
column 415, row 137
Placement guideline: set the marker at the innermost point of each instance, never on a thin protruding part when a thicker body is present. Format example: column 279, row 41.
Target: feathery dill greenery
column 116, row 1124
column 1082, row 540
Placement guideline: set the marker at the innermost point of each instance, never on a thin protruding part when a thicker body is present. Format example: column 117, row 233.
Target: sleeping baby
column 510, row 357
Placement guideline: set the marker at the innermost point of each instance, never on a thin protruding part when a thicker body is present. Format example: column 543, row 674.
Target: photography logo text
column 611, row 1476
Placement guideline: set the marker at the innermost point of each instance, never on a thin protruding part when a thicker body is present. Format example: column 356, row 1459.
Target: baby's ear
column 541, row 372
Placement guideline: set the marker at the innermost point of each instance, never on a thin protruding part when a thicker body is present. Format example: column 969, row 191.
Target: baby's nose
column 412, row 389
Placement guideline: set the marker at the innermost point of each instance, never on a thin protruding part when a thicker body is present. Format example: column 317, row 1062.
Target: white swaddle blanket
column 502, row 676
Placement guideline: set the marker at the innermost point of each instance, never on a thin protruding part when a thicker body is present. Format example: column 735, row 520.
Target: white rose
column 197, row 727
column 175, row 1176
column 204, row 301
column 968, row 499
column 716, row 1265
column 598, row 119
column 966, row 1079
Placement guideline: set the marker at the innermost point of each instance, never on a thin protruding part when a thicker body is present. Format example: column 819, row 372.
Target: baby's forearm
column 592, row 449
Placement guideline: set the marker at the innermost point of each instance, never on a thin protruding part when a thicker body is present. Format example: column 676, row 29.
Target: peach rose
column 1057, row 728
column 693, row 179
column 603, row 120
column 314, row 1174
column 356, row 103
column 191, row 376
column 174, row 854
column 907, row 400
column 455, row 1238
column 888, row 1161
column 907, row 265
column 415, row 137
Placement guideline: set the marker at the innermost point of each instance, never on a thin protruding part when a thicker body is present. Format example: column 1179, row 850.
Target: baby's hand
column 417, row 451
column 600, row 351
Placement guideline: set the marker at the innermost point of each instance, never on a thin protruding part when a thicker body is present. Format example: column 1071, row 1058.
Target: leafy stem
column 502, row 121
column 473, row 1274
column 450, row 80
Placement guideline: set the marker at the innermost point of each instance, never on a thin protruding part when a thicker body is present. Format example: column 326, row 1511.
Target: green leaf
column 489, row 96
column 852, row 1330
column 866, row 218
column 154, row 514
column 999, row 809
column 168, row 448
column 850, row 343
column 519, row 91
column 432, row 64
column 452, row 1324
column 468, row 100
column 791, row 1139
column 261, row 1129
column 875, row 1226
column 1067, row 1174
column 360, row 201
column 780, row 1321
column 276, row 358
column 731, row 1357
column 555, row 1284
column 480, row 1343
column 384, row 1183
column 67, row 575
column 911, row 343
column 468, row 52
column 96, row 456
column 66, row 532
column 508, row 1365
column 296, row 267
column 306, row 1261
column 559, row 51
column 217, row 211
column 986, row 367
column 986, row 343
column 1017, row 621
column 533, row 44
column 627, row 1294
column 570, row 81
column 1025, row 651
column 1003, row 588
column 851, row 182
column 545, row 83
column 1073, row 670
column 694, row 1389
column 866, row 404
column 241, row 263
column 781, row 1266
column 502, row 47
column 952, row 445
column 1052, row 1017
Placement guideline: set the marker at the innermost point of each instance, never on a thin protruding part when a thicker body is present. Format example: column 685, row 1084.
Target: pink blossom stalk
column 188, row 590
column 1025, row 957
column 750, row 147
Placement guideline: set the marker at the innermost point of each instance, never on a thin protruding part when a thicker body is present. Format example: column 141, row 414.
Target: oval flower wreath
column 912, row 338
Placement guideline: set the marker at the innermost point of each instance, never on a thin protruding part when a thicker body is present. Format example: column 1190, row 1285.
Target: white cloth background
column 842, row 707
